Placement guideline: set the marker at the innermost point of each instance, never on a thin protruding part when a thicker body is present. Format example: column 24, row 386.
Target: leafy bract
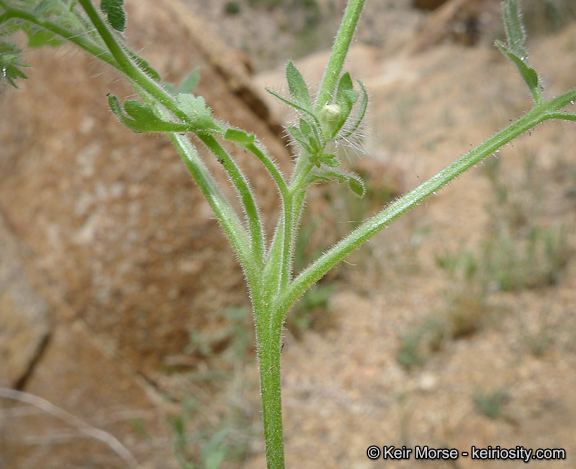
column 360, row 114
column 345, row 98
column 115, row 13
column 300, row 138
column 297, row 86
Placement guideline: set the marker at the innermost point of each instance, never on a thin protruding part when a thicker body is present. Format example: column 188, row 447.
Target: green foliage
column 311, row 309
column 10, row 64
column 490, row 404
column 540, row 338
column 213, row 452
column 232, row 8
column 409, row 355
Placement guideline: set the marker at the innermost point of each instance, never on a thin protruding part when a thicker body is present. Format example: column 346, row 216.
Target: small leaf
column 190, row 82
column 515, row 50
column 198, row 114
column 345, row 98
column 528, row 73
column 356, row 186
column 306, row 128
column 213, row 452
column 329, row 159
column 300, row 138
column 141, row 117
column 115, row 13
column 10, row 64
column 298, row 88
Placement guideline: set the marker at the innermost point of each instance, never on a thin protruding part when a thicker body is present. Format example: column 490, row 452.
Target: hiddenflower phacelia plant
column 333, row 116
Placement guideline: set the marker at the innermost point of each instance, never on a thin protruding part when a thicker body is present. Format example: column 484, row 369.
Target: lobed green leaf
column 115, row 13
column 10, row 65
column 141, row 117
column 198, row 114
column 329, row 159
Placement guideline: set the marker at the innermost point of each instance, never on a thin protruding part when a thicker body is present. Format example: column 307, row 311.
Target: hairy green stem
column 220, row 205
column 339, row 52
column 248, row 201
column 268, row 332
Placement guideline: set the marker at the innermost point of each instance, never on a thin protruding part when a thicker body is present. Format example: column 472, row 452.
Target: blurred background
column 122, row 305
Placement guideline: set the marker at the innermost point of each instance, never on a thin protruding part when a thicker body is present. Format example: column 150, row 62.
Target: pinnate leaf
column 141, row 117
column 115, row 13
column 10, row 65
column 198, row 114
